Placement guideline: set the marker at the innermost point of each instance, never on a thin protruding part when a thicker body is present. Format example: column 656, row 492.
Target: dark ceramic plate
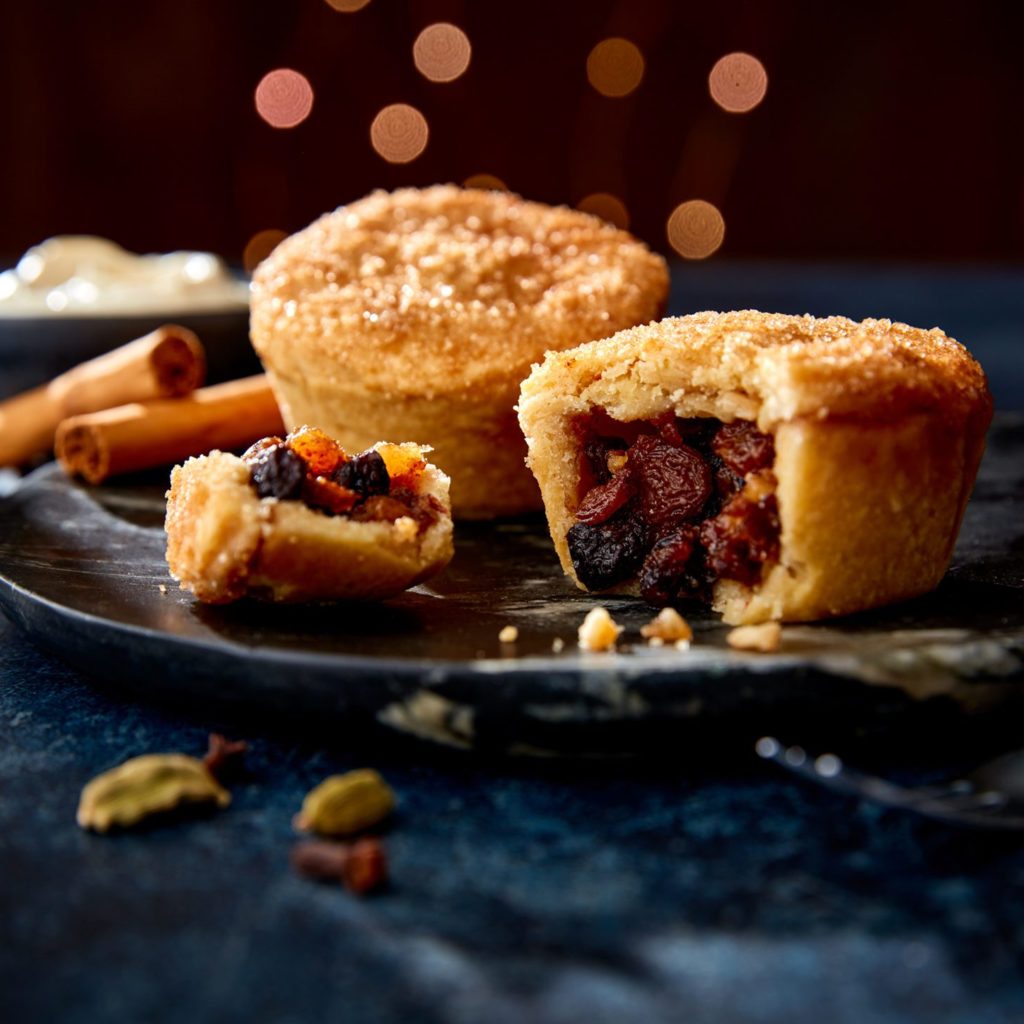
column 82, row 571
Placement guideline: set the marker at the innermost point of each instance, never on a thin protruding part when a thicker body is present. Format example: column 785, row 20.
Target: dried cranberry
column 743, row 448
column 675, row 482
column 667, row 573
column 602, row 502
column 366, row 474
column 741, row 538
column 278, row 473
column 609, row 552
column 595, row 454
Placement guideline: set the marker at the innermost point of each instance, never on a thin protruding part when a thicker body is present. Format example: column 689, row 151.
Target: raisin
column 675, row 482
column 727, row 482
column 742, row 537
column 667, row 572
column 668, row 428
column 320, row 452
column 595, row 453
column 743, row 448
column 256, row 450
column 278, row 473
column 366, row 474
column 327, row 496
column 697, row 431
column 609, row 552
column 602, row 502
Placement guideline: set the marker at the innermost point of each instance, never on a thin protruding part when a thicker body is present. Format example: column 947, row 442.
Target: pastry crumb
column 764, row 637
column 599, row 631
column 682, row 645
column 406, row 528
column 667, row 626
column 162, row 588
column 616, row 461
column 557, row 644
column 655, row 641
column 509, row 635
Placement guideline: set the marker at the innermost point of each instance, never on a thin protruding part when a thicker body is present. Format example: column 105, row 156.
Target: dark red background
column 889, row 131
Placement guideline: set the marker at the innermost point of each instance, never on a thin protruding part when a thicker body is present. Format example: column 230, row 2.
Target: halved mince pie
column 297, row 519
column 780, row 467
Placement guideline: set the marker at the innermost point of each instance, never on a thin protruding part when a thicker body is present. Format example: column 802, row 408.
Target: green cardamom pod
column 147, row 785
column 345, row 804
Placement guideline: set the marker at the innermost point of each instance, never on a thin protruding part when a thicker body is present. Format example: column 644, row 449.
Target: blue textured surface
column 674, row 891
column 544, row 892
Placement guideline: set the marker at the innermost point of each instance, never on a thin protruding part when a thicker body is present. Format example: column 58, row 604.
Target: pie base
column 224, row 542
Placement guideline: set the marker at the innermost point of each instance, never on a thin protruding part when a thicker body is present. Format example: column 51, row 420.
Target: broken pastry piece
column 779, row 467
column 297, row 519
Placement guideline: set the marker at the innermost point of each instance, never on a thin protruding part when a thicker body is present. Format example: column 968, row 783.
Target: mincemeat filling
column 675, row 503
column 310, row 467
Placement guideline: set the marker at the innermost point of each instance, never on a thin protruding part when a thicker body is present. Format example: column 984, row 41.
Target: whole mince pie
column 299, row 519
column 777, row 467
column 417, row 313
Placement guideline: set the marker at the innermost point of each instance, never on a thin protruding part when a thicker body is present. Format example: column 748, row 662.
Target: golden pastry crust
column 878, row 429
column 419, row 312
column 224, row 542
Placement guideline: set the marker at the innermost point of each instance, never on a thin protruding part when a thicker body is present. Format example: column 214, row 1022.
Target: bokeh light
column 488, row 181
column 284, row 98
column 441, row 52
column 738, row 82
column 399, row 133
column 615, row 67
column 260, row 246
column 607, row 207
column 348, row 6
column 696, row 229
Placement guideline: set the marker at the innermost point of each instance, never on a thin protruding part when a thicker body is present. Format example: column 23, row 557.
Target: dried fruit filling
column 674, row 503
column 311, row 467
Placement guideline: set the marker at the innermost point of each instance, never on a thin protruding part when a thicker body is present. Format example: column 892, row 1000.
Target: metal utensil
column 989, row 797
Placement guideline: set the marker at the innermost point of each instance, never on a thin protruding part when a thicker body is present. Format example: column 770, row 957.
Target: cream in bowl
column 82, row 275
column 74, row 297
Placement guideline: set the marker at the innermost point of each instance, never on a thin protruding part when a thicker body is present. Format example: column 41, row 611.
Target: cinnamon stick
column 146, row 434
column 168, row 362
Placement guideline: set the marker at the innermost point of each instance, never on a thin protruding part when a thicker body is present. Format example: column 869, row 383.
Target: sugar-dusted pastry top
column 769, row 367
column 410, row 288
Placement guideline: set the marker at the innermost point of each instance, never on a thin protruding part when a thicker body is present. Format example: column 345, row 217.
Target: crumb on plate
column 764, row 637
column 598, row 631
column 668, row 626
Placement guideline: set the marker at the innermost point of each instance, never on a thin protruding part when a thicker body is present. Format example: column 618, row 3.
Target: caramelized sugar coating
column 419, row 312
column 877, row 430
